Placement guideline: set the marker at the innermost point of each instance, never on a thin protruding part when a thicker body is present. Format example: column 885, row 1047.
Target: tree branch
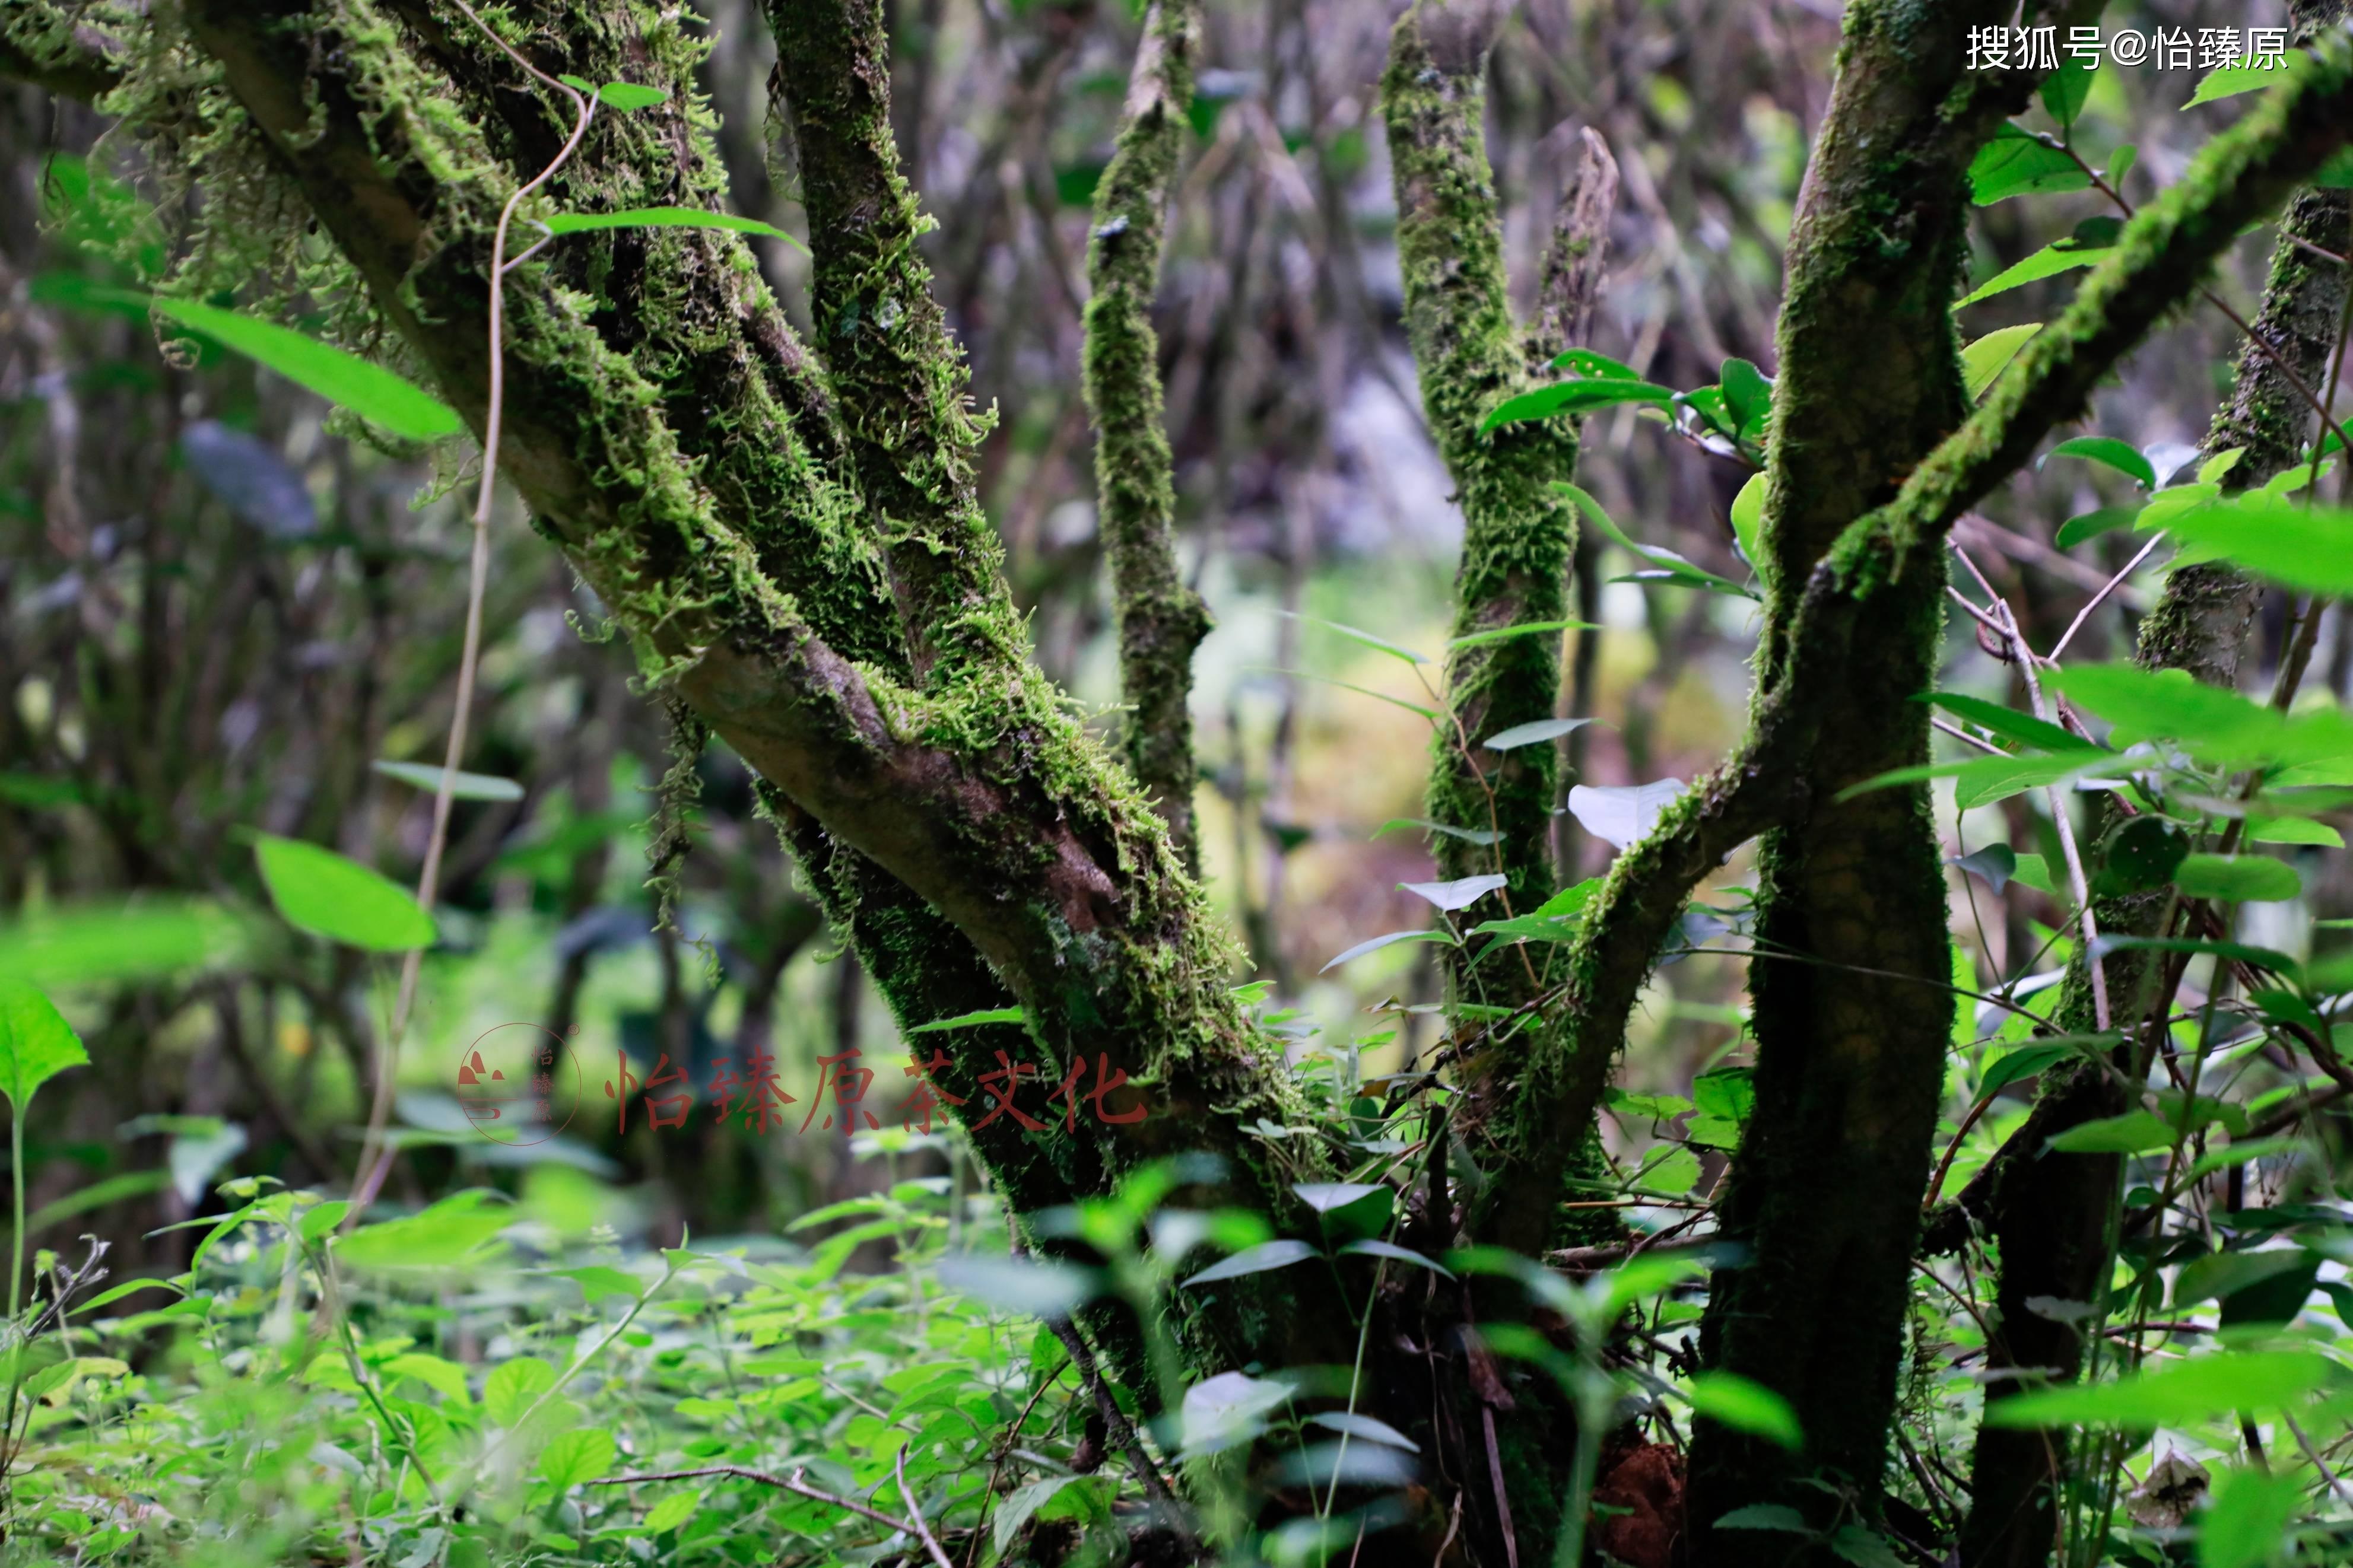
column 1161, row 619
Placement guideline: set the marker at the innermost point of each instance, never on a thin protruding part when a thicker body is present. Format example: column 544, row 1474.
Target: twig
column 375, row 1161
column 2094, row 603
column 914, row 1513
column 1123, row 1432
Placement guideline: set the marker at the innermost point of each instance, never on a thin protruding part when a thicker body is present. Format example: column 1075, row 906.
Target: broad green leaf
column 2212, row 470
column 1748, row 520
column 446, row 1378
column 2064, row 90
column 2336, row 173
column 674, row 1510
column 2034, row 871
column 322, row 1218
column 1745, row 1406
column 326, row 894
column 2258, row 877
column 966, row 1020
column 1978, row 780
column 2047, row 262
column 2246, row 1523
column 447, row 1236
column 1995, row 865
column 1585, row 363
column 1525, row 628
column 580, row 1455
column 2092, row 524
column 1397, row 1254
column 2008, row 724
column 627, row 96
column 2309, row 548
column 35, row 1043
column 1570, row 900
column 665, row 217
column 1575, row 397
column 1280, row 1254
column 91, row 943
column 1374, row 944
column 1022, row 1503
column 1530, row 733
column 2023, row 1063
column 2261, row 957
column 2229, row 81
column 512, row 1385
column 1748, row 395
column 368, row 390
column 2134, row 1132
column 2195, row 1390
column 1864, row 1547
column 1983, row 360
column 463, row 786
column 2121, row 456
column 1765, row 1515
column 599, row 1280
column 2228, row 1273
column 2016, row 164
column 2216, row 725
column 1326, row 1197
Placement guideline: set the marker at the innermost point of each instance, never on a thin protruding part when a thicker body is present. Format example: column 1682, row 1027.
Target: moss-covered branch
column 1161, row 619
column 1518, row 533
column 68, row 51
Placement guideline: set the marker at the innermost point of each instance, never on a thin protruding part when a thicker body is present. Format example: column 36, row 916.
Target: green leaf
column 1529, row 734
column 2064, row 90
column 2008, row 724
column 322, row 1218
column 2016, row 164
column 627, row 96
column 1040, row 1289
column 1575, row 397
column 1021, row 1504
column 2309, row 548
column 2257, row 878
column 2195, row 1390
column 1259, row 1260
column 2120, row 164
column 2247, row 1522
column 321, row 893
column 966, row 1020
column 1765, row 1515
column 2229, row 81
column 1748, row 1407
column 2134, row 1132
column 368, row 390
column 580, row 1455
column 1748, row 520
column 1525, row 628
column 35, row 1043
column 464, row 786
column 2047, row 262
column 1371, row 1249
column 1375, row 945
column 1748, row 395
column 1361, row 637
column 1864, row 1547
column 446, row 1378
column 447, row 1235
column 665, row 217
column 1365, row 1426
column 2261, row 957
column 2217, row 725
column 2336, row 173
column 2092, row 524
column 599, row 1280
column 1995, row 865
column 1460, row 893
column 511, row 1387
column 673, row 1511
column 1664, row 561
column 1983, row 360
column 1585, row 363
column 2121, row 456
column 2023, row 1063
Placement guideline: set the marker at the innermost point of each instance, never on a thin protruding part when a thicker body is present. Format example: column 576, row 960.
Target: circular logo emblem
column 519, row 1084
